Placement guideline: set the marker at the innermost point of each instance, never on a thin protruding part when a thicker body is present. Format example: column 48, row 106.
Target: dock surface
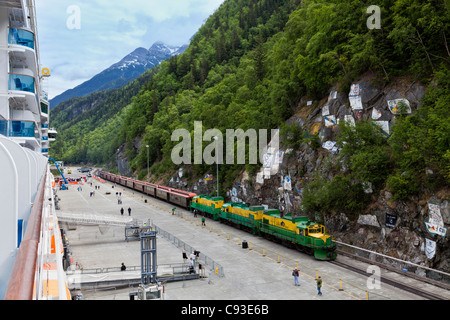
column 261, row 272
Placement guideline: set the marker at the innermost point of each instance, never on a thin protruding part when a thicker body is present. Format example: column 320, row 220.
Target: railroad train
column 298, row 232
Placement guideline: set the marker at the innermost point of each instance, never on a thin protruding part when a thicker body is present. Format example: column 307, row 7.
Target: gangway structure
column 149, row 288
column 95, row 219
column 150, row 277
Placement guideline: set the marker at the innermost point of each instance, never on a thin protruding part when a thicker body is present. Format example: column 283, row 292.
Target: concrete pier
column 261, row 272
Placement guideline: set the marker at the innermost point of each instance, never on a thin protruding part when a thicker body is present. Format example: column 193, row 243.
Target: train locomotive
column 298, row 232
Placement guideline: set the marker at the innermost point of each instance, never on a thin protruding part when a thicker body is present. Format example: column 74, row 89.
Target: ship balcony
column 24, row 133
column 22, row 129
column 21, row 37
column 44, row 109
column 44, row 95
column 22, row 88
column 51, row 137
column 45, row 144
column 3, row 126
column 21, row 82
column 21, row 47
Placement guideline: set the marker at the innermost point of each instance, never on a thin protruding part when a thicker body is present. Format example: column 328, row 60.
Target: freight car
column 171, row 195
column 150, row 189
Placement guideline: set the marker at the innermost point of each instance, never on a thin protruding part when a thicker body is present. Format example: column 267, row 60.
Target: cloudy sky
column 80, row 38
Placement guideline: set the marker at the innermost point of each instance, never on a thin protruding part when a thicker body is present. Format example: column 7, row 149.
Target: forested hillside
column 88, row 126
column 252, row 64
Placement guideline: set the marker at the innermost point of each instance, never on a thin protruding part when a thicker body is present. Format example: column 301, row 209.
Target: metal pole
column 217, row 163
column 148, row 172
column 118, row 169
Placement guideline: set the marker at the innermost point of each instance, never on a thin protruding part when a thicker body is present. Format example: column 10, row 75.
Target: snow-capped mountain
column 122, row 72
column 143, row 58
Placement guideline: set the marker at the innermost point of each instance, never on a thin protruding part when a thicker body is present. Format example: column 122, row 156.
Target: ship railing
column 21, row 281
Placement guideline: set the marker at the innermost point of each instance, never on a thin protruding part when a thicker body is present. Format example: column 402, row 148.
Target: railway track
column 396, row 284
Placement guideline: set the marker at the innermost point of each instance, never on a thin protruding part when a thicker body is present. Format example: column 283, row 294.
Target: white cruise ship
column 30, row 239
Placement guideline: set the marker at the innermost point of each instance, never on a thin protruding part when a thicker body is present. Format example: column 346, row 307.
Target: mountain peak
column 160, row 46
column 120, row 73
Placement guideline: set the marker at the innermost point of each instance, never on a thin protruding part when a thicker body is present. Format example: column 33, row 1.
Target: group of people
column 122, row 211
column 192, row 259
column 92, row 193
column 296, row 274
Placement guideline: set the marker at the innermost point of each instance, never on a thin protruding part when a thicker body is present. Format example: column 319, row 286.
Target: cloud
column 109, row 30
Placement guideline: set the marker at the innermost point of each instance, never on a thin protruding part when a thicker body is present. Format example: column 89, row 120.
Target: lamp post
column 118, row 169
column 217, row 163
column 148, row 172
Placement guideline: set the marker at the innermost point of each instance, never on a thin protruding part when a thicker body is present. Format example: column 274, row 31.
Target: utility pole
column 148, row 172
column 217, row 162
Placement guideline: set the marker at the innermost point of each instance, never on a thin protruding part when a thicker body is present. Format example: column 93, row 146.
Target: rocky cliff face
column 394, row 228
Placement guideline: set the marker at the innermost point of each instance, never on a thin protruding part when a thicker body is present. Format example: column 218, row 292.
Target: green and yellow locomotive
column 241, row 215
column 305, row 235
column 207, row 205
column 298, row 232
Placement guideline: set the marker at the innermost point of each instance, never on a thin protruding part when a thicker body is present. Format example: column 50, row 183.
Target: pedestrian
column 129, row 211
column 121, row 211
column 319, row 285
column 123, row 267
column 195, row 213
column 191, row 265
column 295, row 273
column 203, row 222
column 184, row 255
column 173, row 211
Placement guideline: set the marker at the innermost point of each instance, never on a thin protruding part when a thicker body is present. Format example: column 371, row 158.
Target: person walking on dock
column 121, row 211
column 319, row 285
column 129, row 211
column 203, row 222
column 295, row 273
column 191, row 265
